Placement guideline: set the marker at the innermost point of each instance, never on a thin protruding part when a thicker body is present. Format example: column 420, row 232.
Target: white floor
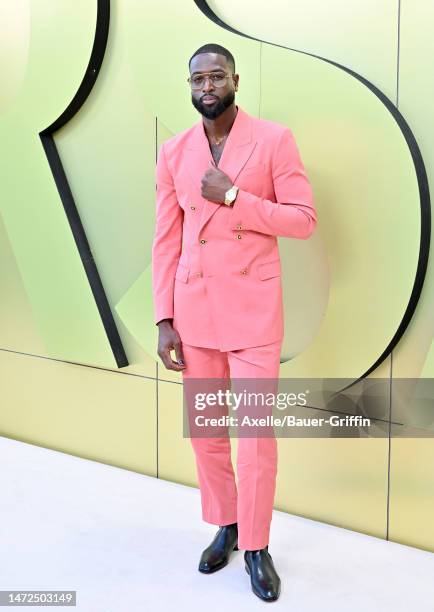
column 127, row 543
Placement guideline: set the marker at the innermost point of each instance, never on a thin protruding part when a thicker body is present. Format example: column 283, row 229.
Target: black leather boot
column 216, row 556
column 263, row 576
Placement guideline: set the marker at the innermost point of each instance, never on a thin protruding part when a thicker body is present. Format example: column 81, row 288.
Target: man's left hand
column 215, row 184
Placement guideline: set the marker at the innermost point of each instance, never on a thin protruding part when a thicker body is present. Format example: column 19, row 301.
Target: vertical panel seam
column 398, row 45
column 389, row 450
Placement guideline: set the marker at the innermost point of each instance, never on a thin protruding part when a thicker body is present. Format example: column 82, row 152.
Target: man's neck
column 216, row 128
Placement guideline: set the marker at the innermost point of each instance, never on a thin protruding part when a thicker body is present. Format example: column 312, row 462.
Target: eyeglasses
column 217, row 78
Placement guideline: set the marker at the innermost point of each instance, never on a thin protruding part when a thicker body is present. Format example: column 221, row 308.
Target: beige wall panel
column 89, row 412
column 175, row 454
column 412, row 492
column 338, row 481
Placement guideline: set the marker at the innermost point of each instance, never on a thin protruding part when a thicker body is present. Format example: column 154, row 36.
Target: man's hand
column 215, row 184
column 169, row 339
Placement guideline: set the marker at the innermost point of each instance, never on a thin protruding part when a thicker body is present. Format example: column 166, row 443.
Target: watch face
column 231, row 195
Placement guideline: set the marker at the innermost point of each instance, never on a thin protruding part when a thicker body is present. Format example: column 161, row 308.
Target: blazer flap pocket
column 181, row 273
column 269, row 269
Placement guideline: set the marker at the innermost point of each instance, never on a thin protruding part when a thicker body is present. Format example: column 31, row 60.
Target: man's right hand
column 169, row 339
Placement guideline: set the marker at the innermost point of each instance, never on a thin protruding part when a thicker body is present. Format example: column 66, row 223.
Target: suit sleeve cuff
column 242, row 212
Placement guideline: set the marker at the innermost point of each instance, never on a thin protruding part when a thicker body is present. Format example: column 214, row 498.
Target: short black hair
column 214, row 48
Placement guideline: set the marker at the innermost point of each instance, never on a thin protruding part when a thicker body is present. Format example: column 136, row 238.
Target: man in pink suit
column 226, row 188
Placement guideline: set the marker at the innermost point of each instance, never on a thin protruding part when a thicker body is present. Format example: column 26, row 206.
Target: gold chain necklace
column 218, row 142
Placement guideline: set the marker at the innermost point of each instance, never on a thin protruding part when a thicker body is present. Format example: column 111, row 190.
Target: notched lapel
column 237, row 151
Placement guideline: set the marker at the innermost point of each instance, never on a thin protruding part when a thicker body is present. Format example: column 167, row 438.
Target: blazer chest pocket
column 258, row 169
column 181, row 273
column 269, row 269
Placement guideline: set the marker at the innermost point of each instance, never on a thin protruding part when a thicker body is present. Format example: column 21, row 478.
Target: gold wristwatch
column 230, row 195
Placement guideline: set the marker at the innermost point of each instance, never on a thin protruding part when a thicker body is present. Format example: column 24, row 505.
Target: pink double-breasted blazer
column 216, row 269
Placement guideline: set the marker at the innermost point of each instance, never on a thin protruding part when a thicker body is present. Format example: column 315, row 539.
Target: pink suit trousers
column 250, row 503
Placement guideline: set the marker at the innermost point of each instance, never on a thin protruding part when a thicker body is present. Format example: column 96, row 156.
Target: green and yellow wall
column 89, row 91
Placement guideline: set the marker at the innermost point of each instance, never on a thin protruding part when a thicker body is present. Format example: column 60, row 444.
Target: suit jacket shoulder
column 174, row 147
column 178, row 140
column 267, row 129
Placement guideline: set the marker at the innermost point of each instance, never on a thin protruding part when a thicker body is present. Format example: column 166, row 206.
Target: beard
column 212, row 112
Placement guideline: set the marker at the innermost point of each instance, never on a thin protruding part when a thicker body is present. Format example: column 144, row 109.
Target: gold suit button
column 193, row 207
column 239, row 236
column 239, row 227
column 244, row 271
column 198, row 273
column 203, row 241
